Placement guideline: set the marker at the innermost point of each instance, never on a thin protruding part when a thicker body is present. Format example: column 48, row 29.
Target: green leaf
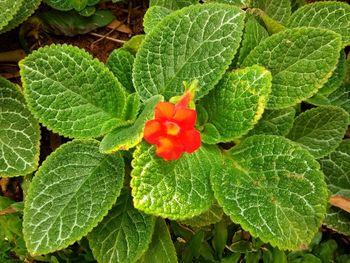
column 69, row 195
column 8, row 10
column 180, row 48
column 161, row 249
column 338, row 220
column 133, row 44
column 121, row 62
column 275, row 122
column 26, row 9
column 300, row 60
column 153, row 16
column 19, row 133
column 132, row 107
column 274, row 189
column 236, row 104
column 240, row 3
column 212, row 216
column 254, row 33
column 329, row 15
column 124, row 138
column 174, row 189
column 172, row 4
column 320, row 130
column 278, row 10
column 70, row 92
column 65, row 5
column 123, row 235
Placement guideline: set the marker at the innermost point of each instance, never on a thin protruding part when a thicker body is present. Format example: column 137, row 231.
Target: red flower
column 172, row 130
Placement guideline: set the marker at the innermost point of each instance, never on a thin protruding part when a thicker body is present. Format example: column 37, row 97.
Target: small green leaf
column 240, row 3
column 153, row 16
column 132, row 107
column 133, row 44
column 121, row 62
column 8, row 10
column 174, row 189
column 300, row 60
column 72, row 93
column 253, row 34
column 278, row 10
column 124, row 138
column 338, row 220
column 330, row 15
column 181, row 49
column 212, row 216
column 274, row 189
column 236, row 104
column 275, row 122
column 172, row 4
column 161, row 249
column 19, row 133
column 320, row 130
column 65, row 5
column 123, row 235
column 69, row 195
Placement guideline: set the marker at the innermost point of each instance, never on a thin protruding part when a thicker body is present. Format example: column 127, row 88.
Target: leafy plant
column 258, row 165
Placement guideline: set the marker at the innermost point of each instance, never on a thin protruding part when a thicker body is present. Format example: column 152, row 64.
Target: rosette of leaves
column 271, row 185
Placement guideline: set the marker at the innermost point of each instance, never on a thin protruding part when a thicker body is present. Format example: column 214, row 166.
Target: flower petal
column 152, row 131
column 164, row 110
column 191, row 140
column 184, row 101
column 169, row 149
column 185, row 117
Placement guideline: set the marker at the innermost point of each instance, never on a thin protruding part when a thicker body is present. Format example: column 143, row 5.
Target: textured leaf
column 275, row 122
column 161, row 249
column 180, row 48
column 273, row 26
column 278, row 10
column 172, row 4
column 132, row 107
column 212, row 216
column 320, row 130
column 123, row 235
column 338, row 220
column 70, row 92
column 329, row 15
column 19, row 133
column 121, row 62
column 236, row 104
column 274, row 189
column 8, row 10
column 153, row 16
column 241, row 3
column 124, row 138
column 65, row 5
column 69, row 195
column 254, row 33
column 173, row 189
column 26, row 9
column 133, row 44
column 300, row 60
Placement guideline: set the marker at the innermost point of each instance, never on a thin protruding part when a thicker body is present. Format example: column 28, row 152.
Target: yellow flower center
column 172, row 128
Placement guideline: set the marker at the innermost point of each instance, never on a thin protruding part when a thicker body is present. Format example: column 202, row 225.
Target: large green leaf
column 153, row 16
column 161, row 249
column 172, row 4
column 123, row 235
column 124, row 138
column 65, row 5
column 278, row 10
column 8, row 10
column 274, row 188
column 121, row 62
column 338, row 220
column 19, row 133
column 212, row 216
column 173, row 189
column 275, row 122
column 236, row 104
column 330, row 15
column 69, row 195
column 197, row 42
column 72, row 93
column 320, row 130
column 26, row 9
column 241, row 3
column 300, row 60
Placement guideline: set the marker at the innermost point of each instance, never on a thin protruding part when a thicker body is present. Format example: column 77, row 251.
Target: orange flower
column 172, row 129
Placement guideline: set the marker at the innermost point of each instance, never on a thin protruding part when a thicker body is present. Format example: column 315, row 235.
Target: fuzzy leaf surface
column 320, row 130
column 173, row 189
column 70, row 92
column 329, row 15
column 8, row 10
column 19, row 133
column 274, row 189
column 161, row 248
column 153, row 16
column 278, row 10
column 123, row 235
column 275, row 122
column 338, row 220
column 236, row 104
column 69, row 195
column 197, row 42
column 300, row 60
column 121, row 62
column 212, row 216
column 172, row 4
